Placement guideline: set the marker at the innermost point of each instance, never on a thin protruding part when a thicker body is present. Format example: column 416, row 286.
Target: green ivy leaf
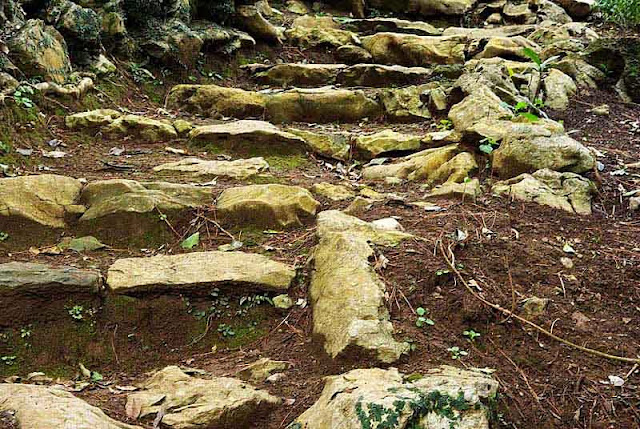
column 192, row 241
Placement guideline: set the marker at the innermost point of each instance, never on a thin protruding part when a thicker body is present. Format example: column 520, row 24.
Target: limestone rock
column 406, row 104
column 346, row 293
column 564, row 191
column 352, row 54
column 558, row 87
column 411, row 50
column 238, row 169
column 385, row 141
column 419, row 165
column 216, row 101
column 193, row 402
column 47, row 199
column 334, row 145
column 18, row 278
column 534, row 307
column 282, row 302
column 294, row 74
column 493, row 76
column 378, row 75
column 466, row 190
column 247, row 133
column 520, row 154
column 578, row 8
column 508, row 47
column 252, row 20
column 456, row 170
column 499, row 130
column 200, row 271
column 92, row 119
column 310, row 32
column 321, row 105
column 333, row 192
column 358, row 395
column 481, row 104
column 267, row 205
column 140, row 126
column 392, row 25
column 261, row 369
column 334, row 221
column 40, row 50
column 38, row 407
column 426, row 7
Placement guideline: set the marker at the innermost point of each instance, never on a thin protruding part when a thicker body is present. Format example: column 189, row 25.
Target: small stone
column 262, row 369
column 274, row 378
column 534, row 306
column 358, row 205
column 634, row 204
column 602, row 110
column 333, row 192
column 566, row 262
column 283, row 302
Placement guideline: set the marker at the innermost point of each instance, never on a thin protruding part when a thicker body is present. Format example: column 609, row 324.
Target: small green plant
column 140, row 74
column 444, row 125
column 4, row 148
column 3, row 236
column 76, row 312
column 442, row 272
column 457, row 353
column 422, row 320
column 9, row 360
column 541, row 66
column 190, row 242
column 488, row 145
column 22, row 96
column 226, row 330
column 471, row 335
column 625, row 13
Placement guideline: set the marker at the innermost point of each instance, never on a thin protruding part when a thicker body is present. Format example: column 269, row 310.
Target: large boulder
column 508, row 48
column 578, row 8
column 252, row 20
column 558, row 87
column 411, row 50
column 321, row 105
column 563, row 191
column 40, row 50
column 38, row 407
column 194, row 402
column 47, row 200
column 279, row 206
column 347, row 296
column 385, row 141
column 444, row 397
column 481, row 104
column 198, row 271
column 524, row 154
column 217, row 101
column 237, row 169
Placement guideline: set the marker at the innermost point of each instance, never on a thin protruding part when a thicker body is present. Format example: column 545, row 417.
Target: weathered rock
column 321, row 105
column 558, row 87
column 518, row 13
column 392, row 25
column 456, row 170
column 426, row 7
column 466, row 190
column 92, row 119
column 406, row 104
column 80, row 244
column 80, row 27
column 19, row 278
column 333, row 192
column 578, row 8
column 363, row 396
column 267, row 205
column 519, row 154
column 498, row 130
column 534, row 307
column 47, row 200
column 301, row 75
column 193, row 402
column 261, row 369
column 378, row 75
column 40, row 50
column 309, row 32
column 493, row 76
column 216, row 101
column 351, row 54
column 238, row 169
column 508, row 48
column 550, row 11
column 182, row 126
column 252, row 20
column 198, row 271
column 142, row 127
column 564, row 191
column 385, row 141
column 481, row 104
column 334, row 145
column 411, row 50
column 346, row 294
column 297, row 7
column 487, row 33
column 246, row 134
column 413, row 167
column 38, row 407
column 584, row 74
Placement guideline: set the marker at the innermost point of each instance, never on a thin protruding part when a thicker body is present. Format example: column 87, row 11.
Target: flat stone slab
column 267, row 205
column 237, row 169
column 385, row 141
column 412, row 50
column 347, row 295
column 245, row 133
column 39, row 279
column 47, row 199
column 40, row 407
column 362, row 397
column 198, row 271
column 114, row 123
column 194, row 402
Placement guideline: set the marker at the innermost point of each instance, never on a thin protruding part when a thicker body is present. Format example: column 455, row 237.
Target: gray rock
column 19, row 278
column 237, row 169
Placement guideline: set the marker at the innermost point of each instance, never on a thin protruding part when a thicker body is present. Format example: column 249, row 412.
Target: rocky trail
column 365, row 215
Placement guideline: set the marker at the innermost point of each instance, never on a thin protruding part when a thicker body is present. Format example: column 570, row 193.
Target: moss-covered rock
column 411, row 50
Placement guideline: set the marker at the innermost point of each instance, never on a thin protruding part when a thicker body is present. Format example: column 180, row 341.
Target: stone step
column 347, row 296
column 35, row 407
column 198, row 272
